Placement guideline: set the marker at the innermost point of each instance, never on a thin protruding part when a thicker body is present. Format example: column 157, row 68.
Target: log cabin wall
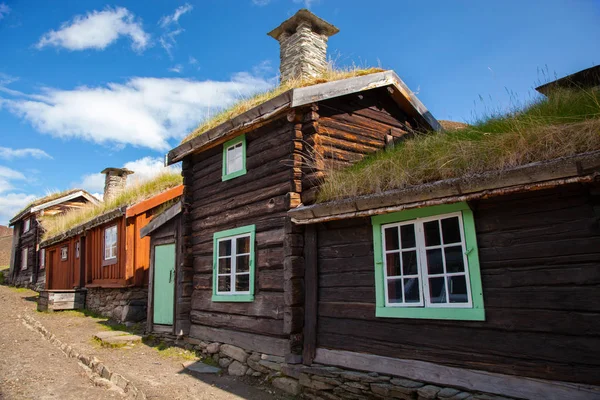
column 346, row 129
column 540, row 265
column 261, row 197
column 27, row 240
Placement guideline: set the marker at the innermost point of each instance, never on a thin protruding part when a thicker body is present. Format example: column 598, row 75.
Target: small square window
column 234, row 158
column 64, row 253
column 24, row 258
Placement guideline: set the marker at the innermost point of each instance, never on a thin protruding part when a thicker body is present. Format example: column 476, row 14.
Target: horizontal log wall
column 29, row 241
column 540, row 264
column 261, row 197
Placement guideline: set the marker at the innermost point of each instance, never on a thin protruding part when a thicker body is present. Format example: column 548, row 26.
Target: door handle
column 171, row 273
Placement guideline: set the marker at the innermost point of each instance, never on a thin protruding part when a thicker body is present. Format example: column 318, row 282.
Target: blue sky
column 89, row 85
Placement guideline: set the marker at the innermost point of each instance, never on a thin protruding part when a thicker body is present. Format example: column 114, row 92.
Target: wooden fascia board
column 160, row 220
column 71, row 196
column 580, row 168
column 154, row 201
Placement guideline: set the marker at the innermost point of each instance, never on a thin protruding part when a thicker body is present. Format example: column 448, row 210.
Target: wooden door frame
column 171, row 239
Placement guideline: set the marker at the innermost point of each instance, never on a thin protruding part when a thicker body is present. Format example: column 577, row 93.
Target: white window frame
column 110, row 253
column 233, row 273
column 26, row 225
column 238, row 152
column 64, row 253
column 77, row 249
column 24, row 258
column 42, row 258
column 422, row 270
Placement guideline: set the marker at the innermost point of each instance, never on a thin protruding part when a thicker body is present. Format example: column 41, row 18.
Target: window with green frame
column 234, row 158
column 427, row 264
column 233, row 265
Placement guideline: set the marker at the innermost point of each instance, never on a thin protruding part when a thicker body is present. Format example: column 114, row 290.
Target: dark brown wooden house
column 28, row 263
column 509, row 305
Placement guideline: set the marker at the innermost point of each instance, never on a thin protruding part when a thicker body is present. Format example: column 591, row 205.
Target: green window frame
column 233, row 235
column 233, row 144
column 473, row 310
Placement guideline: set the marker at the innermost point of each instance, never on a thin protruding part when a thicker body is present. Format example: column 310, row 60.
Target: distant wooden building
column 28, row 263
column 107, row 257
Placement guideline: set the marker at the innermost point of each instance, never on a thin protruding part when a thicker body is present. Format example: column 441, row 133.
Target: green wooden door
column 164, row 283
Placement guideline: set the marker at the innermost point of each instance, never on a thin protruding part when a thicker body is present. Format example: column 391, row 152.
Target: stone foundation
column 121, row 304
column 320, row 382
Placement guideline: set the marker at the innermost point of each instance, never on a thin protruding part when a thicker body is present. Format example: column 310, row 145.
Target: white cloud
column 4, row 10
column 8, row 153
column 176, row 68
column 307, row 3
column 143, row 168
column 6, row 176
column 174, row 18
column 261, row 3
column 97, row 30
column 12, row 203
column 171, row 27
column 143, row 112
column 192, row 60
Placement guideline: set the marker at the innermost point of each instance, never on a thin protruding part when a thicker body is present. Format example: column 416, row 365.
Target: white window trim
column 233, row 257
column 27, row 225
column 112, row 255
column 77, row 249
column 64, row 253
column 24, row 258
column 422, row 268
column 42, row 258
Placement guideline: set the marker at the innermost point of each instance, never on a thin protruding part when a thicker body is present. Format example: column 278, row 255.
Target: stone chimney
column 114, row 182
column 303, row 45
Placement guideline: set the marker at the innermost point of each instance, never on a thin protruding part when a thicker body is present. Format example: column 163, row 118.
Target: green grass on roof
column 332, row 74
column 59, row 224
column 564, row 124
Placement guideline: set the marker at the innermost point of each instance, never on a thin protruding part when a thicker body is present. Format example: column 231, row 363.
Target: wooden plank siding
column 540, row 265
column 62, row 274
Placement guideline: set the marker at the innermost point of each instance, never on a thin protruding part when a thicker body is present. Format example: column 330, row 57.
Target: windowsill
column 466, row 314
column 233, row 298
column 106, row 263
column 234, row 175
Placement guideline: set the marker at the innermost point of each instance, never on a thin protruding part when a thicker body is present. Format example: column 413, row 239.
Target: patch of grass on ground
column 82, row 313
column 565, row 123
column 3, row 270
column 24, row 290
column 176, row 352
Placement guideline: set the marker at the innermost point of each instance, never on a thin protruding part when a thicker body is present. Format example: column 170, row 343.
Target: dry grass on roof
column 564, row 124
column 62, row 223
column 332, row 74
column 49, row 197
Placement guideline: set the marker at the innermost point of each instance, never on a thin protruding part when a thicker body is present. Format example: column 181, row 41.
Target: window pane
column 224, row 248
column 391, row 238
column 243, row 245
column 242, row 283
column 457, row 286
column 395, row 291
column 451, row 230
column 243, row 264
column 234, row 158
column 393, row 264
column 224, row 284
column 409, row 263
column 407, row 233
column 225, row 266
column 454, row 259
column 435, row 264
column 437, row 290
column 411, row 290
column 432, row 233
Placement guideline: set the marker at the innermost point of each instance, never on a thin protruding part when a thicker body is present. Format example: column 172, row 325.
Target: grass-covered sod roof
column 564, row 124
column 62, row 223
column 332, row 74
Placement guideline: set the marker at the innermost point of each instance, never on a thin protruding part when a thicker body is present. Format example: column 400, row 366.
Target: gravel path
column 38, row 365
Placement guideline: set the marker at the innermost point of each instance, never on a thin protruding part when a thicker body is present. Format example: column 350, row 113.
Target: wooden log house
column 510, row 309
column 28, row 262
column 108, row 257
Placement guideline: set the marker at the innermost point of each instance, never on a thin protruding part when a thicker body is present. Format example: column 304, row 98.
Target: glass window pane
column 391, row 238
column 234, row 158
column 224, row 248
column 432, row 233
column 454, row 259
column 435, row 264
column 457, row 286
column 395, row 291
column 409, row 263
column 243, row 245
column 242, row 283
column 224, row 265
column 451, row 230
column 243, row 264
column 407, row 233
column 224, row 284
column 411, row 290
column 437, row 290
column 393, row 264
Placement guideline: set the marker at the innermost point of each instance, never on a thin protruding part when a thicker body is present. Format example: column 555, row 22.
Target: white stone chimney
column 303, row 45
column 114, row 182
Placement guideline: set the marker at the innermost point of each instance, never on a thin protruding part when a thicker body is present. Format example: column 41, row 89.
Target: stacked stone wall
column 121, row 304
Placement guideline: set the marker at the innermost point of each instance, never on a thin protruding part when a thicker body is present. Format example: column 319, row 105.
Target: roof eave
column 42, row 206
